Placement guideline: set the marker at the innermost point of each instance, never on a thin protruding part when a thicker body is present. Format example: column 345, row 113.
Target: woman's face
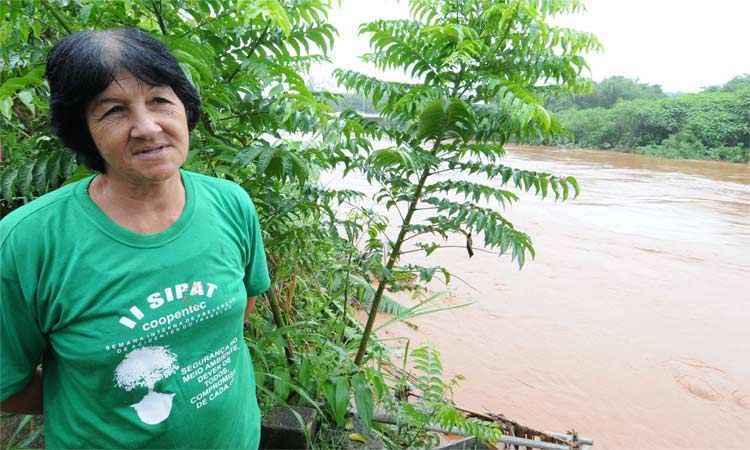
column 141, row 131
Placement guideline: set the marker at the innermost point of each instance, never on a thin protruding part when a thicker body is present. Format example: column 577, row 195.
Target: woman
column 129, row 287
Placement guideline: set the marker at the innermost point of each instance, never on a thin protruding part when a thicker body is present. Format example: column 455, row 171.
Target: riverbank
column 735, row 155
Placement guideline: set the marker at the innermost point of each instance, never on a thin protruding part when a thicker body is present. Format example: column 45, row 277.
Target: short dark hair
column 83, row 64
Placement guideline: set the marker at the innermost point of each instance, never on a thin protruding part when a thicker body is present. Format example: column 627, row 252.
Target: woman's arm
column 250, row 307
column 28, row 400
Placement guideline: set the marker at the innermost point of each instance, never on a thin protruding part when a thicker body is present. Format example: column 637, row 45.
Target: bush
column 714, row 124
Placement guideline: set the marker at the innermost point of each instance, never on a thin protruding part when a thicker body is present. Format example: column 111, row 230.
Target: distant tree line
column 626, row 115
column 605, row 94
column 622, row 114
column 355, row 102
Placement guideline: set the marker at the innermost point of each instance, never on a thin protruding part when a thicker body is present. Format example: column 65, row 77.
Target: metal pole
column 528, row 443
column 570, row 437
column 510, row 440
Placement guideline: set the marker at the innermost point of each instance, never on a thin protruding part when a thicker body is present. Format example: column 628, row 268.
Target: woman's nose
column 145, row 124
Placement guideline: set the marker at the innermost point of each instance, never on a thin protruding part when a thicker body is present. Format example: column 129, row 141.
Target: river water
column 631, row 326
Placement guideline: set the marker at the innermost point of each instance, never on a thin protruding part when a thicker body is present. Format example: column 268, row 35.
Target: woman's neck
column 140, row 207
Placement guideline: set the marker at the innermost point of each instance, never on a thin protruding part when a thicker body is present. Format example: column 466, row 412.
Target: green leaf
column 363, row 399
column 5, row 107
column 337, row 398
column 25, row 179
column 8, row 182
column 281, row 383
column 543, row 117
column 273, row 10
column 27, row 98
column 32, row 78
column 432, row 121
column 250, row 154
column 190, row 74
column 574, row 183
column 357, row 437
column 264, row 160
column 565, row 189
column 20, row 428
column 54, row 166
column 392, row 157
column 199, row 66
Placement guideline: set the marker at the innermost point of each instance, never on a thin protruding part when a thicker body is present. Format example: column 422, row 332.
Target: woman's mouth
column 151, row 152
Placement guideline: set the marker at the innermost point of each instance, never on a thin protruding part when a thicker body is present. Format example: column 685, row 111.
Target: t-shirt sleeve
column 257, row 280
column 21, row 341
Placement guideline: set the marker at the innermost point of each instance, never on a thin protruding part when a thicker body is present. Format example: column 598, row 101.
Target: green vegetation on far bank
column 625, row 115
column 621, row 114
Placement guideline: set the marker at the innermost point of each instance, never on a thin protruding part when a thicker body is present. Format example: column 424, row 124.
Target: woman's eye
column 161, row 100
column 113, row 110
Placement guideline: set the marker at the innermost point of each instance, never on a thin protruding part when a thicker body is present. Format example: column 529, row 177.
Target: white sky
column 682, row 45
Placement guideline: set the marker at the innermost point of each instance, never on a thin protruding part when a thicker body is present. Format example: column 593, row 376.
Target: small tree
column 483, row 68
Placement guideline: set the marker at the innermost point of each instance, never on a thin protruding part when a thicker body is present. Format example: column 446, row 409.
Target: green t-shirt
column 141, row 336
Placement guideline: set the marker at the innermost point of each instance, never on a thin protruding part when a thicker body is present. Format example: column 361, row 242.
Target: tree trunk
column 395, row 253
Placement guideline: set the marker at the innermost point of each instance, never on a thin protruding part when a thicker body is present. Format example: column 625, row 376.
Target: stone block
column 282, row 429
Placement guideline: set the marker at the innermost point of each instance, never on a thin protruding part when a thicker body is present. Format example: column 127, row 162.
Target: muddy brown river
column 631, row 326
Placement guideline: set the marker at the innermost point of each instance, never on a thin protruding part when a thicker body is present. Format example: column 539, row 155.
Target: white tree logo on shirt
column 144, row 367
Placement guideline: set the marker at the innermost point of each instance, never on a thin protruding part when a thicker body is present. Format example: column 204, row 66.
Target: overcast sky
column 682, row 45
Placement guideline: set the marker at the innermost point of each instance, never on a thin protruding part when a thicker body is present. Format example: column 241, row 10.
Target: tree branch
column 395, row 205
column 444, row 170
column 159, row 18
column 207, row 18
column 57, row 17
column 415, row 250
column 278, row 319
column 251, row 50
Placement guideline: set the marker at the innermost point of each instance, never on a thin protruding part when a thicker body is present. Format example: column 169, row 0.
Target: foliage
column 431, row 407
column 19, row 431
column 482, row 69
column 713, row 124
column 604, row 94
column 735, row 84
column 685, row 146
column 324, row 376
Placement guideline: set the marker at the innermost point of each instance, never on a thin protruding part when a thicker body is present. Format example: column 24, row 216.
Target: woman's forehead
column 125, row 84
